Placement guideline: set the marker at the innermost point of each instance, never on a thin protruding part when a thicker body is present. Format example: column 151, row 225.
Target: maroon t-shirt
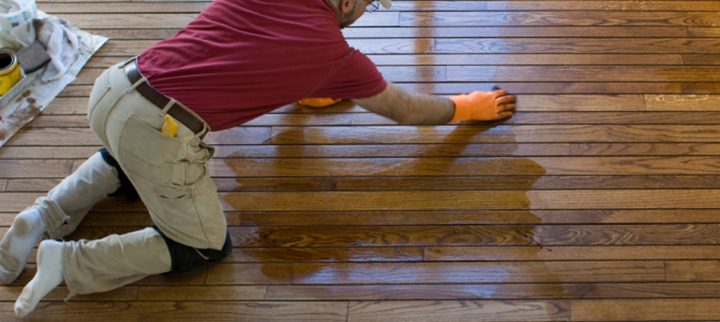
column 240, row 59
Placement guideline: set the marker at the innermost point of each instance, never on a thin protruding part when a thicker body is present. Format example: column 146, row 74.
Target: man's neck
column 334, row 7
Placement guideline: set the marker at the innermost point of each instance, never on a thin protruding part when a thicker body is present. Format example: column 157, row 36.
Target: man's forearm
column 409, row 108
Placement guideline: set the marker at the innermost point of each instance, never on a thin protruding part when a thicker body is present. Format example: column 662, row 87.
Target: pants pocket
column 146, row 154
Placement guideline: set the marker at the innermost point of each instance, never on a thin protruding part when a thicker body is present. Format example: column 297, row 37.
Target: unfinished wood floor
column 598, row 201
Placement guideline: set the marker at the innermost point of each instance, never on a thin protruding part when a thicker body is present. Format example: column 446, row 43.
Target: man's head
column 349, row 11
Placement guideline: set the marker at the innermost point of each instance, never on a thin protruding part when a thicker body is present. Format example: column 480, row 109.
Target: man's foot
column 49, row 275
column 26, row 230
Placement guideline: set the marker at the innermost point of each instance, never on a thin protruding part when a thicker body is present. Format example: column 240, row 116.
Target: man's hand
column 318, row 102
column 483, row 106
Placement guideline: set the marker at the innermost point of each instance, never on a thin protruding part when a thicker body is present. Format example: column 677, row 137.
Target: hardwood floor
column 598, row 201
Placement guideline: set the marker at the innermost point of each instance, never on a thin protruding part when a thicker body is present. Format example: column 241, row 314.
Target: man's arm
column 409, row 108
column 413, row 108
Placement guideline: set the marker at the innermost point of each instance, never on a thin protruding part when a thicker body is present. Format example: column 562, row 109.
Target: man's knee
column 126, row 186
column 185, row 258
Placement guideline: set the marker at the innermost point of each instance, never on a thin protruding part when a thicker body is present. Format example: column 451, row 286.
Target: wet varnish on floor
column 598, row 201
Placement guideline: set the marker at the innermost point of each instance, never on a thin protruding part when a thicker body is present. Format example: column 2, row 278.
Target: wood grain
column 597, row 201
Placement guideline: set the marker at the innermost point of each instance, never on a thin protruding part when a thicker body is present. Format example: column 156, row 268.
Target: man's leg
column 171, row 177
column 58, row 213
column 105, row 264
column 94, row 266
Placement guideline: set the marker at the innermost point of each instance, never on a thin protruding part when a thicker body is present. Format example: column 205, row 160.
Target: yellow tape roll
column 9, row 72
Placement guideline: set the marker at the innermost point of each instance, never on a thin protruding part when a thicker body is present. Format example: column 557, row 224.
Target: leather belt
column 177, row 111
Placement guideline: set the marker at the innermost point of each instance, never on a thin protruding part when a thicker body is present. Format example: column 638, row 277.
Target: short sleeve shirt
column 240, row 59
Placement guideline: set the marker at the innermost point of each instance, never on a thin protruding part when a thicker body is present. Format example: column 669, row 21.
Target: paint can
column 10, row 73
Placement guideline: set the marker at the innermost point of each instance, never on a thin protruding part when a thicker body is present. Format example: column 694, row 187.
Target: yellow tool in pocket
column 169, row 127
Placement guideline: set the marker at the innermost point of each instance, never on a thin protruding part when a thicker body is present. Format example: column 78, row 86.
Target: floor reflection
column 391, row 254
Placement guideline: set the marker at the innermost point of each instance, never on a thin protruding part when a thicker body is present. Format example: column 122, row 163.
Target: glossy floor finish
column 598, row 201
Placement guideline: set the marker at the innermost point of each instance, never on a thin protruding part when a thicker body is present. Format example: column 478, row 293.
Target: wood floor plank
column 604, row 252
column 481, row 133
column 546, row 182
column 15, row 202
column 325, row 254
column 414, row 292
column 120, row 214
column 576, row 310
column 455, row 150
column 555, row 45
column 297, row 167
column 531, row 73
column 445, row 200
column 418, row 236
column 701, row 59
column 453, row 32
column 124, row 7
column 438, row 200
column 645, row 310
column 487, row 133
column 178, row 311
column 527, row 103
column 675, row 102
column 451, row 88
column 559, row 18
column 519, row 31
column 250, row 274
column 72, row 110
column 547, row 45
column 405, row 311
column 179, row 20
column 490, row 291
column 84, row 136
column 363, row 119
column 35, row 168
column 49, row 152
column 499, row 59
column 445, row 88
column 452, row 150
column 479, row 217
column 127, row 293
column 597, row 5
column 33, row 185
column 485, row 235
column 201, row 293
column 707, row 270
column 116, row 213
column 438, row 18
column 459, row 272
column 561, row 73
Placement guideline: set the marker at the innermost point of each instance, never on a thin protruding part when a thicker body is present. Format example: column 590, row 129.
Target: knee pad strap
column 126, row 186
column 185, row 258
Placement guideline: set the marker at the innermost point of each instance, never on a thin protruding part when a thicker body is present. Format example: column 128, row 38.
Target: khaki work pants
column 170, row 175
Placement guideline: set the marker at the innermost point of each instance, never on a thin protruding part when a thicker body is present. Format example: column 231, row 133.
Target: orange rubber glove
column 482, row 106
column 318, row 102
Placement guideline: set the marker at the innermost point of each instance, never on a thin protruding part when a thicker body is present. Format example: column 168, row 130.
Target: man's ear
column 346, row 6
